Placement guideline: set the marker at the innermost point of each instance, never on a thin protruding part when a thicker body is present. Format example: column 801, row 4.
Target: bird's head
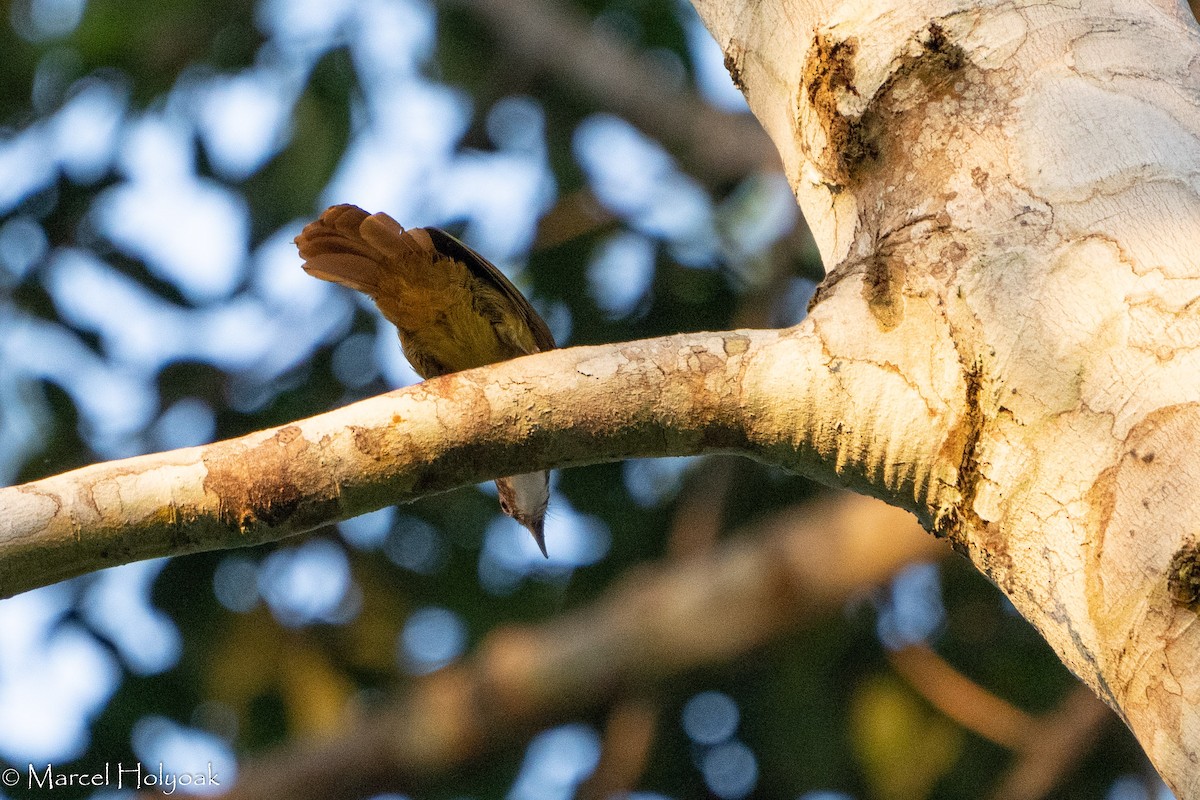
column 524, row 498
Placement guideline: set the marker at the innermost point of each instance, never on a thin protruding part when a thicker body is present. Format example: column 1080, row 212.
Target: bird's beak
column 538, row 528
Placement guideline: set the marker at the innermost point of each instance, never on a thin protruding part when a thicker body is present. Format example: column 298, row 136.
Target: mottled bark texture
column 1012, row 191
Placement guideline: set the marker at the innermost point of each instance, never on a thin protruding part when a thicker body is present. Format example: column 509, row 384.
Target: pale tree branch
column 460, row 429
column 767, row 394
column 1006, row 198
column 961, row 699
column 658, row 622
column 625, row 749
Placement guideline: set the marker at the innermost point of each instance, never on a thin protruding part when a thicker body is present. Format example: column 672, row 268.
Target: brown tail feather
column 371, row 253
column 400, row 270
column 413, row 272
column 388, row 236
column 334, row 250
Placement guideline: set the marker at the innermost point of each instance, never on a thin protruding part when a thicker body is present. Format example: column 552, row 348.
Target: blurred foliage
column 820, row 710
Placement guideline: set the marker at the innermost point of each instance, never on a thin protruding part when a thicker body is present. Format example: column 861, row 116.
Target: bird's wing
column 484, row 270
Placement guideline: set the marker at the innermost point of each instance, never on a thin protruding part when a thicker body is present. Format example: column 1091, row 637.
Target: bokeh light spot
column 306, row 584
column 710, row 718
column 730, row 770
column 432, row 637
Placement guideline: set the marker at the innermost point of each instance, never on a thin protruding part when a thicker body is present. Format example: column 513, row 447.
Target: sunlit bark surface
column 1010, row 191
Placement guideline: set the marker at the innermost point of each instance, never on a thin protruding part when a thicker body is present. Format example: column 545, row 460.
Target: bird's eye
column 505, row 507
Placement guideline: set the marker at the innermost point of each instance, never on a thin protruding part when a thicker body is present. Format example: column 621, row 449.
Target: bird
column 454, row 310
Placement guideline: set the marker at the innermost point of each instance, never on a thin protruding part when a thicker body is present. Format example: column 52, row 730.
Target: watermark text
column 113, row 775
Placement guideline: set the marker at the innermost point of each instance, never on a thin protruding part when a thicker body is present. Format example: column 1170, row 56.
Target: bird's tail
column 400, row 270
column 367, row 252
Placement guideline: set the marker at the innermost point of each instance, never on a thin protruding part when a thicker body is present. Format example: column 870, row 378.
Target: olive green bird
column 453, row 308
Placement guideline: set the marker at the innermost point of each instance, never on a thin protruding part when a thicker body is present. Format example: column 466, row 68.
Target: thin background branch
column 657, row 622
column 551, row 36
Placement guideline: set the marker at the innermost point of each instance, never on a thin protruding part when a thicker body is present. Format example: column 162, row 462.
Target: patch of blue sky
column 194, row 757
column 157, row 144
column 27, row 166
column 22, row 422
column 114, row 403
column 391, row 38
column 914, row 611
column 27, row 619
column 39, row 20
column 710, row 718
column 621, row 272
column 708, row 63
column 757, row 215
column 792, row 305
column 730, row 769
column 286, row 288
column 86, row 129
column 501, row 195
column 306, row 584
column 1162, row 791
column 558, row 318
column 654, row 481
column 242, row 334
column 368, row 531
column 353, row 362
column 235, row 583
column 393, row 366
column 556, row 762
column 245, row 119
column 79, row 139
column 308, row 26
column 1129, row 787
column 117, row 605
column 636, row 178
column 416, row 545
column 303, row 312
column 134, row 326
column 407, row 134
column 517, row 124
column 143, row 331
column 54, row 678
column 431, row 638
column 189, row 231
column 510, row 555
column 23, row 245
column 187, row 423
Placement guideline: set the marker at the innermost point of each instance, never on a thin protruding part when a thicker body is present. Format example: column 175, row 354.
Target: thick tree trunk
column 1009, row 191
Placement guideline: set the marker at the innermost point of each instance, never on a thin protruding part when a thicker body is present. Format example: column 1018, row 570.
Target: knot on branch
column 1183, row 577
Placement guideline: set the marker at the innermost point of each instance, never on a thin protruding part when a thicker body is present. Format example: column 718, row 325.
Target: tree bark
column 1011, row 189
column 772, row 394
